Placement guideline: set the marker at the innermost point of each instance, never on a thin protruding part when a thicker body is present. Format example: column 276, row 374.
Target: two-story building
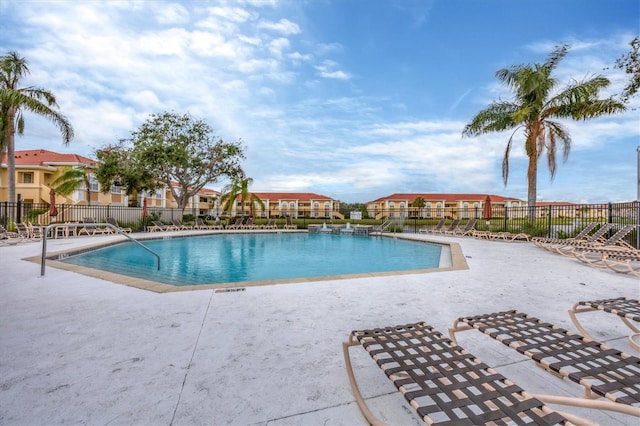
column 36, row 169
column 457, row 206
column 293, row 204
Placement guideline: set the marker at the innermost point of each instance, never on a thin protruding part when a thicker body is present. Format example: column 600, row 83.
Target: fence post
column 506, row 217
column 19, row 209
column 549, row 215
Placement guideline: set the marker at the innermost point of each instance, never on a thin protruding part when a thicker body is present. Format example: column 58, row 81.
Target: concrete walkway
column 81, row 350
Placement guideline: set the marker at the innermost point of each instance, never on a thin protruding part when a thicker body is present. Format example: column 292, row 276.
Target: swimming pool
column 236, row 258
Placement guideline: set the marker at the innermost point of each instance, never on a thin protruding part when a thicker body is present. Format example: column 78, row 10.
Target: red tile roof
column 451, row 198
column 42, row 157
column 299, row 196
column 554, row 203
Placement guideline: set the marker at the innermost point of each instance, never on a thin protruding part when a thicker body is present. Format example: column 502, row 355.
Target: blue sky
column 352, row 99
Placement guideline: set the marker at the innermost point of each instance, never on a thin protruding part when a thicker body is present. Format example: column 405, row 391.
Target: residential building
column 293, row 204
column 36, row 169
column 458, row 206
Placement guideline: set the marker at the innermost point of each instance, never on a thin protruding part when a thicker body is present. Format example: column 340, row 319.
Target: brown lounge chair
column 626, row 308
column 596, row 237
column 9, row 238
column 437, row 228
column 114, row 222
column 603, row 371
column 443, row 383
column 581, row 236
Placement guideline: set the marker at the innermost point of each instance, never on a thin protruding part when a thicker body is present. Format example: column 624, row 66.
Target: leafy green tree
column 118, row 164
column 534, row 110
column 418, row 204
column 239, row 188
column 630, row 63
column 71, row 179
column 14, row 102
column 172, row 150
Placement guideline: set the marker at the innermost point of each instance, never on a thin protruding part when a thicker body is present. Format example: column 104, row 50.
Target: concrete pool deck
column 82, row 350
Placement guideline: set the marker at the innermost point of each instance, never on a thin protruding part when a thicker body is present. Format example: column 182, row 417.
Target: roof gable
column 42, row 157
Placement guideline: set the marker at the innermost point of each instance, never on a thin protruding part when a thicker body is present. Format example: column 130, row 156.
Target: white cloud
column 283, row 26
column 327, row 70
column 173, row 13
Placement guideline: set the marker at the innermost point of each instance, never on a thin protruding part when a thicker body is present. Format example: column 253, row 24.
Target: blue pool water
column 253, row 257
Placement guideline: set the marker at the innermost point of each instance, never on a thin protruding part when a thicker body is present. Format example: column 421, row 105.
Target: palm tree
column 535, row 109
column 14, row 101
column 239, row 187
column 71, row 179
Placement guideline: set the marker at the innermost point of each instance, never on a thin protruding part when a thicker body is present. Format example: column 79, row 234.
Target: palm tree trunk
column 11, row 168
column 9, row 140
column 532, row 177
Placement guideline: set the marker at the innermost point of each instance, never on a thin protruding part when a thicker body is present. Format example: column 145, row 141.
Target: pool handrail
column 91, row 225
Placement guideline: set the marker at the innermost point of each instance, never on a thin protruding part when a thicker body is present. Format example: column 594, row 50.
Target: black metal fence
column 132, row 217
column 560, row 221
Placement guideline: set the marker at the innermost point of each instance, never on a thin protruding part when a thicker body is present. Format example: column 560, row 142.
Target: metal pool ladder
column 91, row 225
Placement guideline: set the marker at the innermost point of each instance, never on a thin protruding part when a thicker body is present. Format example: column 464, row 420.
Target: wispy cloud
column 311, row 117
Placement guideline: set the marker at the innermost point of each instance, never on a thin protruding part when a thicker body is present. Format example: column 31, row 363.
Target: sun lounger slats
column 444, row 383
column 605, row 371
column 627, row 309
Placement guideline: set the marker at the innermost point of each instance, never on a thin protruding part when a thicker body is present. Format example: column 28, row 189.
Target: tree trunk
column 11, row 167
column 533, row 130
column 9, row 138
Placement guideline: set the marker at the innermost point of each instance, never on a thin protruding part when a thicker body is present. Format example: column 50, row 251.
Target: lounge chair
column 237, row 224
column 289, row 223
column 271, row 224
column 201, row 224
column 92, row 230
column 626, row 308
column 9, row 238
column 597, row 236
column 180, row 226
column 603, row 371
column 437, row 228
column 615, row 240
column 626, row 263
column 453, row 225
column 597, row 256
column 442, row 382
column 582, row 235
column 159, row 226
column 36, row 230
column 217, row 224
column 509, row 236
column 468, row 229
column 248, row 224
column 114, row 222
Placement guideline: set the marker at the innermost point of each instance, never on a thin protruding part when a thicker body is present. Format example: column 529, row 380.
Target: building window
column 316, row 205
column 326, row 204
column 93, row 183
column 27, row 177
column 292, row 205
column 116, row 189
column 439, row 211
column 465, row 210
column 427, row 207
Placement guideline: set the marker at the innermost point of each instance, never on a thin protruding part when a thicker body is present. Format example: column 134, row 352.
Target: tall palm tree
column 14, row 101
column 535, row 109
column 73, row 178
column 239, row 187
